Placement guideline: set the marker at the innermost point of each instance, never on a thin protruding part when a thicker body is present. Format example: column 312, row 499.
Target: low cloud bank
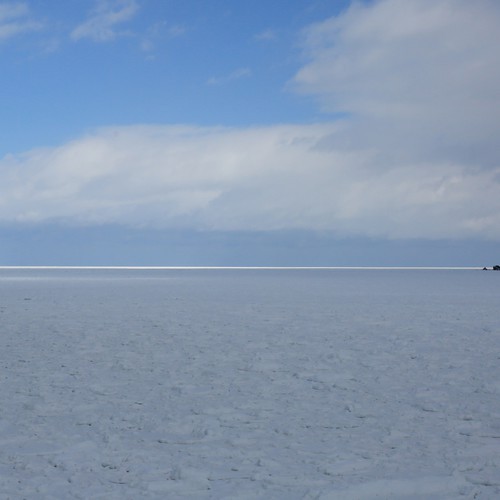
column 267, row 178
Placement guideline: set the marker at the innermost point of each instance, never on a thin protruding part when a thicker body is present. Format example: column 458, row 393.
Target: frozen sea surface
column 249, row 384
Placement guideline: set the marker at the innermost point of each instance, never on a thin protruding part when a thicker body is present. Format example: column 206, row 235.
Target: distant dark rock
column 485, row 268
column 496, row 268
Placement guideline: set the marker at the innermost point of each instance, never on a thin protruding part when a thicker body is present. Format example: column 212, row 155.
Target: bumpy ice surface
column 249, row 384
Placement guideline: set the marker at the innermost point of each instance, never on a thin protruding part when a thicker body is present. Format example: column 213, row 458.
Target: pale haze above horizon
column 297, row 132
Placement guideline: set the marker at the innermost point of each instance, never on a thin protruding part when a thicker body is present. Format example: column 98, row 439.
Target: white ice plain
column 338, row 384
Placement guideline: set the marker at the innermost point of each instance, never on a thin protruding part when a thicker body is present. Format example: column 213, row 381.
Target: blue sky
column 151, row 62
column 297, row 132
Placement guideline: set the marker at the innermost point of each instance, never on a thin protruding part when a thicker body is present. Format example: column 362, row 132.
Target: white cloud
column 258, row 178
column 15, row 19
column 237, row 74
column 176, row 31
column 157, row 32
column 419, row 76
column 102, row 24
column 416, row 156
column 266, row 36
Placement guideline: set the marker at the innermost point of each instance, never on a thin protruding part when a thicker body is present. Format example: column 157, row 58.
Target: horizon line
column 166, row 268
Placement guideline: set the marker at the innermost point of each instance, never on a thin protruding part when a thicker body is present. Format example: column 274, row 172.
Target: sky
column 297, row 132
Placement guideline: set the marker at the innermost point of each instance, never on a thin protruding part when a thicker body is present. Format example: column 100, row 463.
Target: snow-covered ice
column 249, row 384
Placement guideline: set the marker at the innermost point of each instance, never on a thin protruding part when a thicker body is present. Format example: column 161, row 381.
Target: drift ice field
column 249, row 384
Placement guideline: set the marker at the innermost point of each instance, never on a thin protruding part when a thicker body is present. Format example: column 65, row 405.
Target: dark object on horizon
column 496, row 268
column 485, row 268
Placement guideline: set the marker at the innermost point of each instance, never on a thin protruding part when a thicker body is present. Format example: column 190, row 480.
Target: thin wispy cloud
column 266, row 36
column 158, row 32
column 105, row 20
column 237, row 74
column 16, row 19
column 176, row 31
